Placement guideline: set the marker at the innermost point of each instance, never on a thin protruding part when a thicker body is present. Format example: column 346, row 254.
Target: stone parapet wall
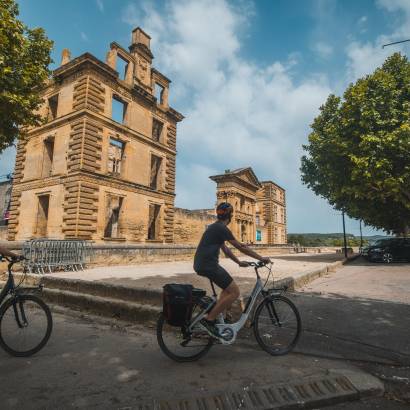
column 190, row 225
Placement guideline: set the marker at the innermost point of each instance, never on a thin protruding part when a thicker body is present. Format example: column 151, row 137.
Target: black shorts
column 219, row 276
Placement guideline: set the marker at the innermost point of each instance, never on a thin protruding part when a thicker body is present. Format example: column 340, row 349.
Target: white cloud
column 237, row 113
column 323, row 49
column 364, row 58
column 100, row 5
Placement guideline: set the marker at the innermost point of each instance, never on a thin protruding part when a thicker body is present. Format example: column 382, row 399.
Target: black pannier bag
column 177, row 303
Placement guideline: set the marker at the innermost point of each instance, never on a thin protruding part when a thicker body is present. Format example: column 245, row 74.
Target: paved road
column 362, row 313
column 89, row 364
column 93, row 364
column 362, row 279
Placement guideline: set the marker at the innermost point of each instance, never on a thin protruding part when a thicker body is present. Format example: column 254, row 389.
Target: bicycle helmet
column 224, row 210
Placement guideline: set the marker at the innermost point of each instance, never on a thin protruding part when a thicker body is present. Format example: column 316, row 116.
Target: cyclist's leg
column 229, row 294
column 225, row 300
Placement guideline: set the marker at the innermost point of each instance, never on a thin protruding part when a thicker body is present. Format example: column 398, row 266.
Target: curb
column 304, row 278
column 108, row 307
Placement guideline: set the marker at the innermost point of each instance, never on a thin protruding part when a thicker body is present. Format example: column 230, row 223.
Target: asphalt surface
column 95, row 363
column 361, row 313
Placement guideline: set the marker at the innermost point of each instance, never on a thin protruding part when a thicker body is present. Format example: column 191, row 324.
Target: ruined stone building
column 259, row 210
column 103, row 165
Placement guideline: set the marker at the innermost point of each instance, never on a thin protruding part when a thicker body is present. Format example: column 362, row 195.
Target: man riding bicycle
column 206, row 263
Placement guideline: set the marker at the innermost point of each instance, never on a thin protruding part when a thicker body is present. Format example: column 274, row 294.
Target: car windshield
column 380, row 242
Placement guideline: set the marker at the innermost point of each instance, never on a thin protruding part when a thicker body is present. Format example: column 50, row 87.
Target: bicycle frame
column 231, row 330
column 10, row 285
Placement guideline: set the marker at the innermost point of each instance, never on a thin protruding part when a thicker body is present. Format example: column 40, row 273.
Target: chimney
column 139, row 36
column 141, row 51
column 65, row 56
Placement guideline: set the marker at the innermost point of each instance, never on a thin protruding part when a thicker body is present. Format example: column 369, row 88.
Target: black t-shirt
column 207, row 253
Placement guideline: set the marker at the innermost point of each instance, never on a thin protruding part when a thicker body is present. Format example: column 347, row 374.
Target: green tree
column 24, row 61
column 358, row 156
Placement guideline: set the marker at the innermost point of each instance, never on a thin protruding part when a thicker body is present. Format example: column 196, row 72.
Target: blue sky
column 248, row 76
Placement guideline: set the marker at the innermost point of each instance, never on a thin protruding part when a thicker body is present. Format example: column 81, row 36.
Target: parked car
column 389, row 250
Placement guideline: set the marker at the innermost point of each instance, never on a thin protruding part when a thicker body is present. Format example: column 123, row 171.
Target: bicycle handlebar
column 257, row 264
column 12, row 259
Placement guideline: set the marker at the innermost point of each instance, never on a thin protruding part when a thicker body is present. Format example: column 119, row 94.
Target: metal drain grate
column 313, row 390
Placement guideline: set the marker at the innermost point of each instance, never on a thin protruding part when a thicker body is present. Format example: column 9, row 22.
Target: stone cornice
column 118, row 183
column 160, row 75
column 107, row 122
column 234, row 178
column 93, row 178
column 143, row 49
column 273, row 183
column 83, row 61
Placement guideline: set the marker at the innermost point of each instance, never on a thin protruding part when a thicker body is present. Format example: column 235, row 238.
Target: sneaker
column 209, row 325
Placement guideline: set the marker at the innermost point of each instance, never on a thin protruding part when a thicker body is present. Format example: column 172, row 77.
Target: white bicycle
column 276, row 324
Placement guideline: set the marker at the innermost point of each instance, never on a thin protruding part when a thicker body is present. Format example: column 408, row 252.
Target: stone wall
column 3, row 232
column 125, row 254
column 190, row 225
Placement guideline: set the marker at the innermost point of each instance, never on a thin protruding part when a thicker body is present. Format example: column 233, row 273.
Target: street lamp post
column 344, row 233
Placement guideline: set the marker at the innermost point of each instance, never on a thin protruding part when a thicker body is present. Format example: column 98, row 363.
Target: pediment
column 248, row 176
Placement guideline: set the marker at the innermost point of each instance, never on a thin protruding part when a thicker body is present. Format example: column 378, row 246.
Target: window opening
column 119, row 109
column 153, row 221
column 159, row 93
column 156, row 129
column 112, row 228
column 48, row 155
column 52, row 107
column 115, row 155
column 122, row 67
column 155, row 171
column 42, row 215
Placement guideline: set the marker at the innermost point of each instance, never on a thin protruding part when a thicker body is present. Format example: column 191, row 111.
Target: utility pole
column 344, row 233
column 361, row 236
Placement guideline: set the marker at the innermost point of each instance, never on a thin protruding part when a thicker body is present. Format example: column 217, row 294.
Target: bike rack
column 48, row 255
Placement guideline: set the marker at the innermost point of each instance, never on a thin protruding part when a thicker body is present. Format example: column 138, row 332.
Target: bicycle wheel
column 25, row 325
column 179, row 346
column 277, row 325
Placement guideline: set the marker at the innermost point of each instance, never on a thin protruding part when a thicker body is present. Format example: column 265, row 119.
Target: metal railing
column 48, row 255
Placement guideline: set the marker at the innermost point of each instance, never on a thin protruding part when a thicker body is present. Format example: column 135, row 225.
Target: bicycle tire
column 161, row 323
column 18, row 301
column 275, row 350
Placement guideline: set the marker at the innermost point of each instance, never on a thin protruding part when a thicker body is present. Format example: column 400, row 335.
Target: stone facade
column 189, row 225
column 103, row 165
column 271, row 213
column 259, row 207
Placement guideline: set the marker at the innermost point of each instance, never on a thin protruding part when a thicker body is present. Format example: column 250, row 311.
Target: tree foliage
column 358, row 156
column 24, row 61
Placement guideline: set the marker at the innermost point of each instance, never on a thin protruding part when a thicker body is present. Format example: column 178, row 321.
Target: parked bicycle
column 276, row 322
column 25, row 320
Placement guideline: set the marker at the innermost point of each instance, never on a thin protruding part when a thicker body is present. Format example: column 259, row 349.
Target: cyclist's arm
column 6, row 252
column 228, row 253
column 244, row 249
